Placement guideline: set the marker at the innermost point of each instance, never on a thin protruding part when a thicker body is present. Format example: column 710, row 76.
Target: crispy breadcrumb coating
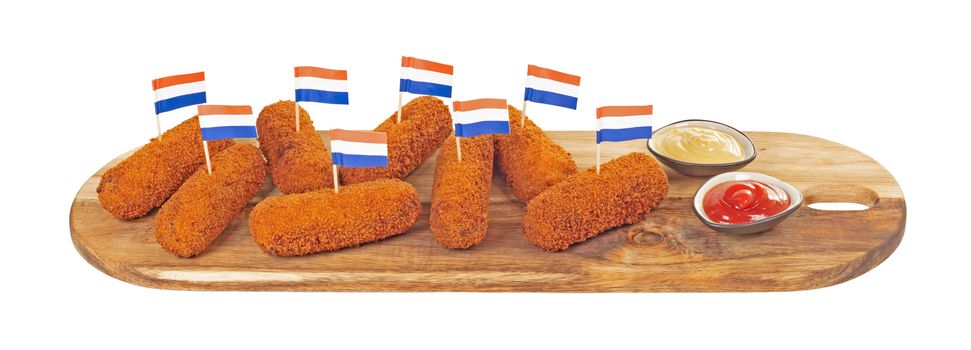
column 425, row 123
column 460, row 192
column 298, row 161
column 147, row 178
column 199, row 211
column 587, row 204
column 311, row 222
column 530, row 161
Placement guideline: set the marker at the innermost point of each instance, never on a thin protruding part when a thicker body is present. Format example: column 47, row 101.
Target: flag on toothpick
column 423, row 77
column 550, row 87
column 321, row 85
column 178, row 91
column 479, row 117
column 357, row 149
column 224, row 122
column 622, row 123
column 547, row 86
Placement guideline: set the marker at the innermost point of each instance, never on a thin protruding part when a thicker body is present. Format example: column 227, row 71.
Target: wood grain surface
column 669, row 251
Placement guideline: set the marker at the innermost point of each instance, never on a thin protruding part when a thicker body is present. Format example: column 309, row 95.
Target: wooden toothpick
column 522, row 120
column 296, row 111
column 336, row 181
column 205, row 149
column 398, row 116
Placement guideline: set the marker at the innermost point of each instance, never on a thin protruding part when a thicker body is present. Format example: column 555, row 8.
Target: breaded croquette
column 199, row 211
column 586, row 204
column 460, row 192
column 425, row 123
column 298, row 161
column 311, row 222
column 530, row 161
column 147, row 178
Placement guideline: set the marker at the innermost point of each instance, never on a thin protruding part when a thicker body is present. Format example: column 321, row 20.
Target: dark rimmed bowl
column 701, row 169
column 753, row 227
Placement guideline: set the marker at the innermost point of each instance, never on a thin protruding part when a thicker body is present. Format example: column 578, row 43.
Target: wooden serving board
column 669, row 251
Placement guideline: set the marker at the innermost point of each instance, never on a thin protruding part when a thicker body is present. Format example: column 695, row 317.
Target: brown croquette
column 529, row 160
column 202, row 208
column 298, row 161
column 311, row 222
column 425, row 123
column 586, row 204
column 147, row 178
column 460, row 192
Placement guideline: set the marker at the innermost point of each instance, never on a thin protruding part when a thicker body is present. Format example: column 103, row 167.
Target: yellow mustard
column 698, row 144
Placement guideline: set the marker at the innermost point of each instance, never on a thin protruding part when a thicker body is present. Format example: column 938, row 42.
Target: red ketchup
column 740, row 202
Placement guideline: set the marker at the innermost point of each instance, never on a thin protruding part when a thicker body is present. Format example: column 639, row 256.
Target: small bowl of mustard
column 697, row 147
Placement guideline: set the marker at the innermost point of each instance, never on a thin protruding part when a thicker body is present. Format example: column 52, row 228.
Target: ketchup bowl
column 747, row 202
column 689, row 168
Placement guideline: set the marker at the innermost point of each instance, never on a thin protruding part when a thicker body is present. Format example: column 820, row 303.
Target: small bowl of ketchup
column 743, row 203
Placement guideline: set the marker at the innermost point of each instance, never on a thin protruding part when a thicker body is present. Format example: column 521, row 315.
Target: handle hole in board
column 838, row 206
column 840, row 197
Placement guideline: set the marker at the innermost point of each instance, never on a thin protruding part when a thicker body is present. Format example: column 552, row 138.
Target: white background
column 889, row 78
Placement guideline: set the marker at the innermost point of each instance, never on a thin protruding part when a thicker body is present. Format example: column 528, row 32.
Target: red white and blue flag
column 479, row 117
column 422, row 77
column 359, row 149
column 179, row 91
column 551, row 87
column 226, row 122
column 321, row 85
column 622, row 123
